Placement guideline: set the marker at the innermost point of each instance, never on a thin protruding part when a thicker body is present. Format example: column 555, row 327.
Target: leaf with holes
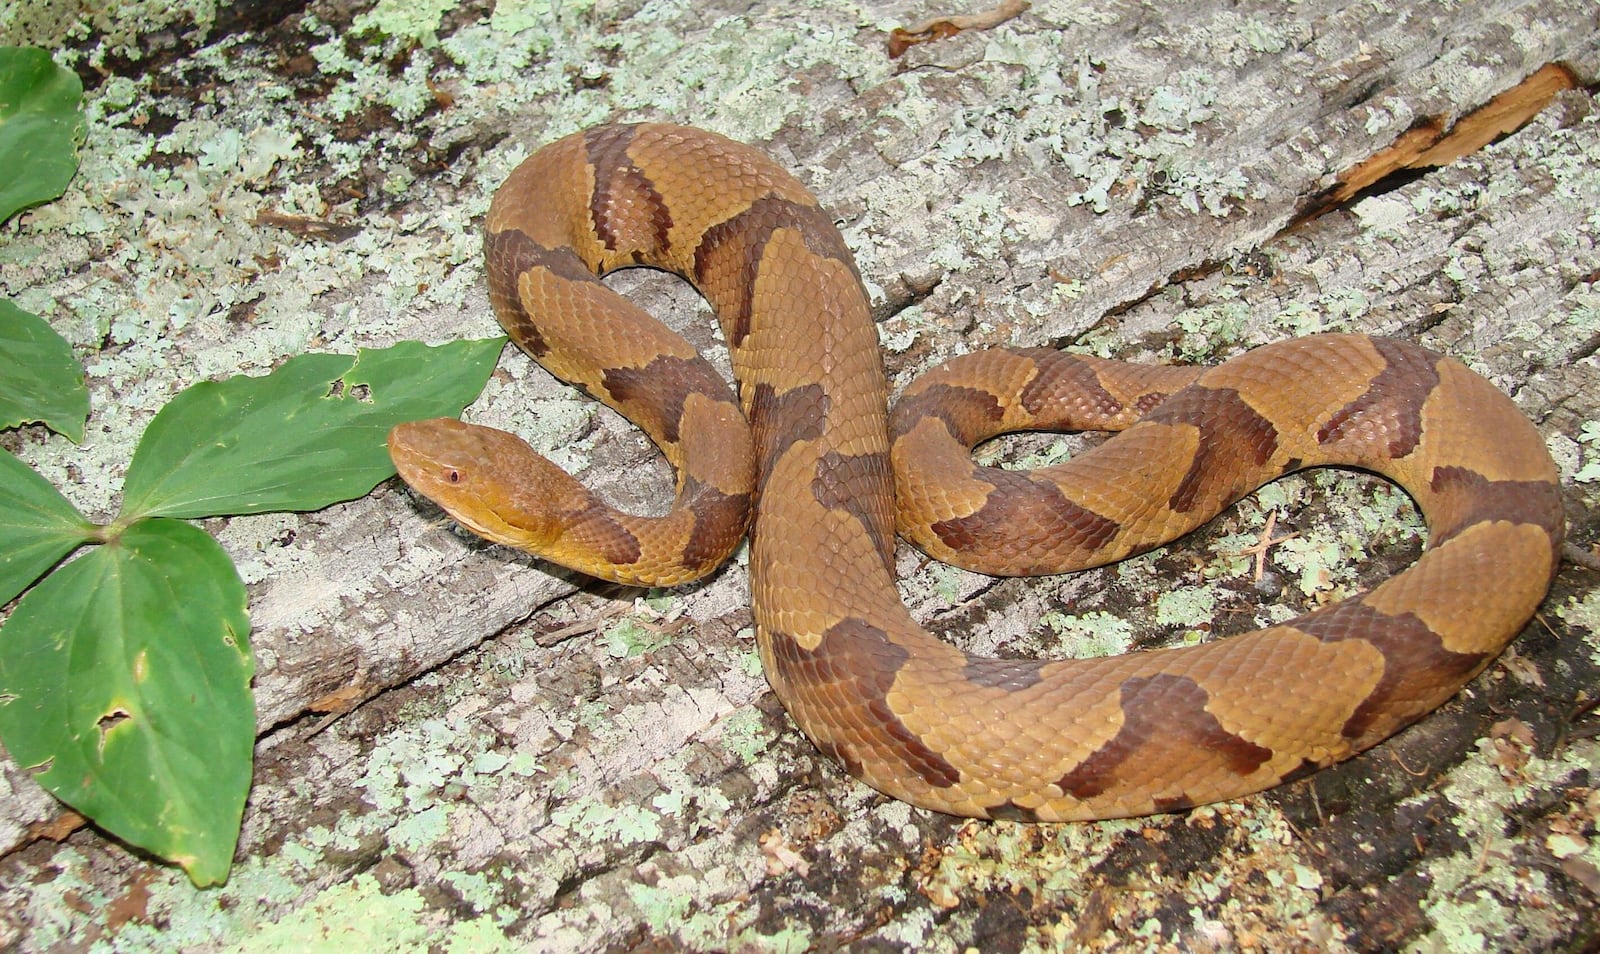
column 38, row 526
column 40, row 380
column 312, row 433
column 125, row 691
column 41, row 124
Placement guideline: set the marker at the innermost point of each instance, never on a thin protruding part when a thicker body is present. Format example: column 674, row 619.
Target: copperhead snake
column 820, row 465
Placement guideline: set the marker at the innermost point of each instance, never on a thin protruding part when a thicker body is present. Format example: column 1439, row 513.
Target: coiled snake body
column 911, row 715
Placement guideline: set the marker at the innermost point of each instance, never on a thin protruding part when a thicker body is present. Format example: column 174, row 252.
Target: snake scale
column 817, row 471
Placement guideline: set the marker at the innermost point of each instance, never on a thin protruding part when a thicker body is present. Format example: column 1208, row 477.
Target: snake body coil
column 911, row 715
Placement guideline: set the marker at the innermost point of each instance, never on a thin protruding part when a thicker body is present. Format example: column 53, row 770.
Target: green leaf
column 41, row 124
column 40, row 380
column 312, row 433
column 125, row 690
column 38, row 526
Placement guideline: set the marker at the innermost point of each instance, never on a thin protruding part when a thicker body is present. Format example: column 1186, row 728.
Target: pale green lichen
column 117, row 27
column 746, row 734
column 625, row 823
column 901, row 331
column 1233, row 554
column 948, row 582
column 628, row 636
column 1473, row 905
column 998, row 453
column 1046, row 104
column 749, row 662
column 178, row 916
column 1004, row 857
column 418, row 830
column 1212, row 328
column 1341, row 307
column 1583, row 313
column 980, row 218
column 52, row 914
column 359, row 915
column 1067, row 291
column 594, row 715
column 1087, row 635
column 1583, row 613
column 665, row 909
column 1589, row 437
column 1186, row 605
column 1100, row 138
column 516, row 16
column 671, row 910
column 1328, row 313
column 482, row 935
column 1268, row 885
column 415, row 776
column 1562, row 154
column 415, row 20
column 1323, row 556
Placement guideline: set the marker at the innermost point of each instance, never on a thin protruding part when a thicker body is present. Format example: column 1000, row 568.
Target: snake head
column 489, row 480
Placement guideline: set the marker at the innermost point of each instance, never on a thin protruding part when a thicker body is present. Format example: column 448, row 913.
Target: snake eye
column 455, row 476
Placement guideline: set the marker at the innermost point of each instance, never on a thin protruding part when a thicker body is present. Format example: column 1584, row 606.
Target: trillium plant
column 125, row 661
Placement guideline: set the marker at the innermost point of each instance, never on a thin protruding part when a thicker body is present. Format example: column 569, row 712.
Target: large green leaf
column 40, row 127
column 40, row 380
column 125, row 689
column 312, row 433
column 38, row 526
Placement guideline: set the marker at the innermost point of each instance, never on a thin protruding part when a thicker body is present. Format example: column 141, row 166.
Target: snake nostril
column 455, row 477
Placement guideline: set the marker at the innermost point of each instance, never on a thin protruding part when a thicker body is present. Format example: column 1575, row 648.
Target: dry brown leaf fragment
column 340, row 700
column 306, row 226
column 781, row 856
column 1514, row 729
column 134, row 904
column 1522, row 669
column 57, row 828
column 938, row 28
column 1511, row 745
column 1432, row 143
column 1582, row 872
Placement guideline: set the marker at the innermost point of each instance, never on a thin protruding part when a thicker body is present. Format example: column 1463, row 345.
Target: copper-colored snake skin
column 909, row 714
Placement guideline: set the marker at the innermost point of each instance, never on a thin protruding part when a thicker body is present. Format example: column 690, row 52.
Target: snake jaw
column 459, row 466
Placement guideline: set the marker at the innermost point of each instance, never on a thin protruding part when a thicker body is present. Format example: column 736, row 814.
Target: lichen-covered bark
column 461, row 745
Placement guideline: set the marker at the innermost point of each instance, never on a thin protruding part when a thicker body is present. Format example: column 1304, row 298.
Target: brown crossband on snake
column 821, row 466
